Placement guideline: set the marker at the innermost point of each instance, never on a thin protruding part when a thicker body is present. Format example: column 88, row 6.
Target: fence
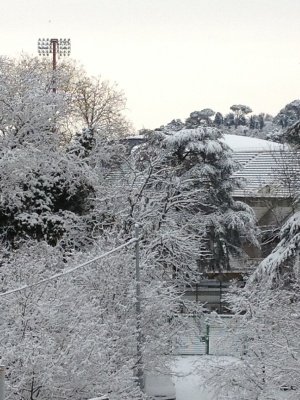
column 208, row 338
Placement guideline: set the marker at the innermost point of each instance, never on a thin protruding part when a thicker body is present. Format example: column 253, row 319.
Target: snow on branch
column 70, row 270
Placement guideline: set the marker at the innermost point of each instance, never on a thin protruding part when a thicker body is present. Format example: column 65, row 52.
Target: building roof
column 265, row 166
column 270, row 169
column 247, row 144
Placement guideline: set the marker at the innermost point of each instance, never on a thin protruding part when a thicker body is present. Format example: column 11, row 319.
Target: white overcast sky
column 172, row 57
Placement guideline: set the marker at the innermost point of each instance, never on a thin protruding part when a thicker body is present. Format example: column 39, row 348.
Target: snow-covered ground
column 188, row 382
column 188, row 378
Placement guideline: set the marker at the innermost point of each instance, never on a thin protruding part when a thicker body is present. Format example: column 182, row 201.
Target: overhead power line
column 69, row 271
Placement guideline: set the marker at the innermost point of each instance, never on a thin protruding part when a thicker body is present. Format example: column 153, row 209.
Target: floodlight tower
column 56, row 47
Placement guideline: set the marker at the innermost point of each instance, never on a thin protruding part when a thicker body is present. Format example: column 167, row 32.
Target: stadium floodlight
column 56, row 47
column 44, row 47
column 64, row 47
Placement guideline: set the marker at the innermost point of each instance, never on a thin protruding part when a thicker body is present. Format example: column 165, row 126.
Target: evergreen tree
column 218, row 120
column 240, row 112
column 174, row 125
column 229, row 120
column 45, row 196
column 198, row 118
column 292, row 135
column 261, row 121
column 252, row 122
column 289, row 115
column 198, row 166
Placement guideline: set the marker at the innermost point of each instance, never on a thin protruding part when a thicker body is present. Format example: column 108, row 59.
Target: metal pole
column 207, row 339
column 221, row 305
column 54, row 44
column 140, row 374
column 2, row 382
column 58, row 47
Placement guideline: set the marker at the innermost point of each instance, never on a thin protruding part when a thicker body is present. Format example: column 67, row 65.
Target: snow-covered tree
column 43, row 190
column 174, row 125
column 98, row 105
column 44, row 195
column 288, row 115
column 240, row 112
column 274, row 134
column 189, row 179
column 292, row 135
column 27, row 105
column 198, row 118
column 267, row 328
column 47, row 187
column 80, row 101
column 229, row 120
column 218, row 120
column 76, row 336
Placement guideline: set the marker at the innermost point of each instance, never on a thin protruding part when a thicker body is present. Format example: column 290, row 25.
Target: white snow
column 160, row 386
column 188, row 379
column 235, row 142
column 245, row 143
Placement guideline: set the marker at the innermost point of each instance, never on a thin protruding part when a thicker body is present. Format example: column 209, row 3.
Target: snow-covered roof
column 263, row 164
column 260, row 170
column 249, row 144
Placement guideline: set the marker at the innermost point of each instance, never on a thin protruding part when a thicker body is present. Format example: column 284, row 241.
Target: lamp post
column 2, row 382
column 56, row 47
column 140, row 374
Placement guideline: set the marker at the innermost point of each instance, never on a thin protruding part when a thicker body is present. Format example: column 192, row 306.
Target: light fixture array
column 63, row 46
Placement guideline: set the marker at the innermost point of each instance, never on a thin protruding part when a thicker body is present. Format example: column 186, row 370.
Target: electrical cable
column 68, row 271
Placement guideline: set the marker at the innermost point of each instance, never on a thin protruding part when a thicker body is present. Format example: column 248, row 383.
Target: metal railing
column 208, row 338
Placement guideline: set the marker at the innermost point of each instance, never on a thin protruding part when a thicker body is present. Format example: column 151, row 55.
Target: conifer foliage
column 198, row 166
